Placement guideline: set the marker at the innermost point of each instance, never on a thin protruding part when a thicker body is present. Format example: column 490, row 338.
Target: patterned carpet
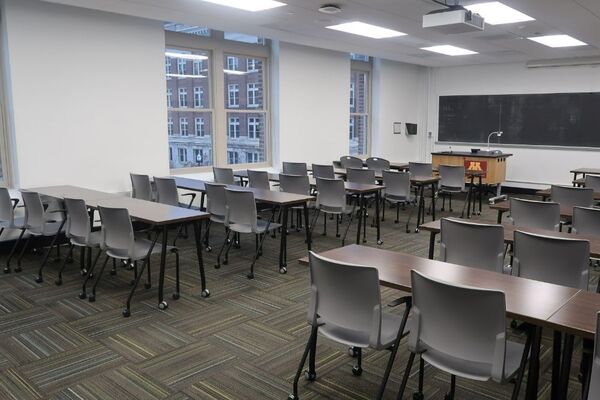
column 244, row 342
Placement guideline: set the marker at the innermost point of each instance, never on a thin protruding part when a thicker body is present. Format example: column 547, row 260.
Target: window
column 167, row 65
column 253, row 127
column 183, row 126
column 234, row 127
column 252, row 158
column 233, row 95
column 169, row 98
column 181, row 66
column 182, row 153
column 170, row 126
column 182, row 97
column 241, row 37
column 189, row 29
column 233, row 63
column 251, row 64
column 253, row 94
column 197, row 67
column 198, row 94
column 199, row 126
column 359, row 112
column 233, row 157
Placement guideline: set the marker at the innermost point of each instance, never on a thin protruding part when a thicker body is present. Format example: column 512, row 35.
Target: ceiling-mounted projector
column 454, row 19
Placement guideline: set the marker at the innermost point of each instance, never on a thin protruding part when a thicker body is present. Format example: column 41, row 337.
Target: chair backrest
column 166, row 191
column 117, row 231
column 535, row 214
column 397, row 184
column 586, row 221
column 323, row 171
column 215, row 199
column 331, row 194
column 378, row 164
column 141, row 187
column 351, row 162
column 594, row 390
column 241, row 208
column 420, row 169
column 550, row 259
column 474, row 245
column 298, row 184
column 593, row 182
column 359, row 175
column 462, row 323
column 345, row 295
column 7, row 213
column 452, row 176
column 34, row 211
column 258, row 180
column 223, row 175
column 569, row 196
column 294, row 168
column 78, row 219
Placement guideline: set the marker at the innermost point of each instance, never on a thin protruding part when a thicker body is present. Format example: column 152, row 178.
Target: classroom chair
column 452, row 181
column 535, row 214
column 323, row 171
column 420, row 169
column 258, row 180
column 167, row 193
column 569, row 196
column 331, row 199
column 462, row 331
column 351, row 162
column 141, row 187
column 241, row 217
column 215, row 206
column 378, row 164
column 366, row 177
column 223, row 175
column 586, row 221
column 345, row 300
column 8, row 220
column 397, row 191
column 298, row 184
column 472, row 244
column 593, row 182
column 294, row 168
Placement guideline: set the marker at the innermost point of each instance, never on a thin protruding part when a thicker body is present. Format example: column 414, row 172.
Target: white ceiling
column 299, row 22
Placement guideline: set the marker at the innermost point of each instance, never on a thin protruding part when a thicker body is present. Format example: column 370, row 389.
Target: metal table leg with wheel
column 377, row 220
column 163, row 261
column 198, row 236
column 283, row 243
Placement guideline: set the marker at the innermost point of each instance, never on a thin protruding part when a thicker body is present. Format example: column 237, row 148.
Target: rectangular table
column 527, row 300
column 584, row 171
column 545, row 194
column 155, row 214
column 282, row 200
column 502, row 208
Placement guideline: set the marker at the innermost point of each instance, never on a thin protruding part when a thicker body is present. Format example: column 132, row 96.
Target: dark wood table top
column 424, row 180
column 471, row 154
column 509, row 233
column 90, row 196
column 526, row 299
column 264, row 196
column 565, row 212
column 545, row 193
column 154, row 213
column 586, row 171
column 393, row 164
column 578, row 315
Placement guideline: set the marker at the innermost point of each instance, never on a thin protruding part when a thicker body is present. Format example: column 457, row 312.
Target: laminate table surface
column 545, row 194
column 565, row 212
column 578, row 315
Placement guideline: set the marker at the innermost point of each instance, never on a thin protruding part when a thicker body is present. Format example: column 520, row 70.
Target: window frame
column 364, row 67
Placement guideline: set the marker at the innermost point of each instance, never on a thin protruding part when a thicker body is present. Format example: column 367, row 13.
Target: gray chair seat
column 390, row 325
column 95, row 240
column 139, row 251
column 17, row 223
column 399, row 199
column 50, row 228
column 261, row 227
column 475, row 370
column 219, row 219
column 336, row 210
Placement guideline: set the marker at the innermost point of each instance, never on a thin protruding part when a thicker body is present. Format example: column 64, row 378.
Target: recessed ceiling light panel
column 249, row 5
column 496, row 13
column 449, row 50
column 368, row 30
column 557, row 41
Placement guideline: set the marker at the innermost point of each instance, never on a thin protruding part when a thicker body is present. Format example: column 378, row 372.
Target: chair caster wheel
column 163, row 305
column 353, row 351
column 39, row 279
column 208, row 249
column 92, row 298
column 416, row 230
column 205, row 293
column 7, row 270
column 83, row 272
column 82, row 295
column 147, row 285
column 310, row 376
column 292, row 397
column 217, row 266
column 175, row 296
column 250, row 275
column 418, row 396
column 356, row 371
column 283, row 270
column 380, row 242
column 113, row 272
column 58, row 282
column 126, row 313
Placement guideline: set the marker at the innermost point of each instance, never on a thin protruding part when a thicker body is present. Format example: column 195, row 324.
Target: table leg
column 163, row 262
column 499, row 218
column 202, row 197
column 565, row 368
column 198, row 237
column 283, row 243
column 556, row 350
column 360, row 219
column 306, row 227
column 377, row 223
column 480, row 189
column 534, row 364
column 586, row 367
column 433, row 185
column 421, row 211
column 468, row 201
column 431, row 244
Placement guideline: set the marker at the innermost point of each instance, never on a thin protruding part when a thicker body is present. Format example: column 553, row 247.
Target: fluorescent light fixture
column 558, row 41
column 234, row 72
column 249, row 5
column 185, row 56
column 181, row 76
column 449, row 50
column 496, row 13
column 368, row 30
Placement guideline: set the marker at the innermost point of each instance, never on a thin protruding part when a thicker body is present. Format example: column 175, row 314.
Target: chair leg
column 40, row 278
column 409, row 217
column 397, row 213
column 383, row 210
column 90, row 274
column 324, row 224
column 207, row 235
column 311, row 374
column 443, row 202
column 450, row 394
column 58, row 280
column 258, row 251
column 519, row 380
column 348, row 226
column 357, row 369
column 411, row 360
column 176, row 294
column 337, row 226
column 148, row 283
column 22, row 253
column 313, row 335
column 12, row 252
column 419, row 395
column 225, row 243
column 314, row 221
column 92, row 296
column 236, row 236
column 450, row 200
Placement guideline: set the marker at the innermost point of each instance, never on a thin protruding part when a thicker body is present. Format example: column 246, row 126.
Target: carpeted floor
column 244, row 342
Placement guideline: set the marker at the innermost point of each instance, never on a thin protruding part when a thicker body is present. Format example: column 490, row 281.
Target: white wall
column 310, row 101
column 399, row 95
column 528, row 166
column 88, row 96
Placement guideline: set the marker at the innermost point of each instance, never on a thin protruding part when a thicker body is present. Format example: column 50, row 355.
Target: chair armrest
column 191, row 200
column 56, row 211
column 15, row 202
column 401, row 300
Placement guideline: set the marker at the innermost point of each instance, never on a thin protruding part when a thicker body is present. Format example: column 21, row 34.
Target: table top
column 565, row 212
column 578, row 315
column 526, row 299
column 509, row 232
column 243, row 173
column 469, row 154
column 91, row 197
column 545, row 193
column 424, row 180
column 585, row 171
column 264, row 196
